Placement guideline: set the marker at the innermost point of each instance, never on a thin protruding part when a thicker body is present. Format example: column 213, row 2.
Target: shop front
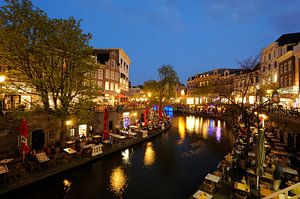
column 126, row 119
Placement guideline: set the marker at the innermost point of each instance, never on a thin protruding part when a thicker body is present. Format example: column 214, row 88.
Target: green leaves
column 51, row 56
column 164, row 89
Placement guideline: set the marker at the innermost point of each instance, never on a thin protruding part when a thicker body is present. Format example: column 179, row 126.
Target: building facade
column 113, row 78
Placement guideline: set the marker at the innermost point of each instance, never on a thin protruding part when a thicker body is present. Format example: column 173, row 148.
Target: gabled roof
column 288, row 39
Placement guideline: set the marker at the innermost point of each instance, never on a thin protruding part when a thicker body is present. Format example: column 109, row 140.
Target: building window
column 112, row 86
column 100, row 84
column 51, row 135
column 112, row 75
column 116, row 76
column 290, row 80
column 285, row 81
column 107, row 85
column 290, row 65
column 285, row 67
column 107, row 74
column 72, row 133
column 113, row 63
column 100, row 74
column 269, row 66
column 281, row 69
column 281, row 81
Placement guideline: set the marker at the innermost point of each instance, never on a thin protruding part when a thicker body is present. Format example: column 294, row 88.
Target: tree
column 163, row 89
column 168, row 82
column 51, row 56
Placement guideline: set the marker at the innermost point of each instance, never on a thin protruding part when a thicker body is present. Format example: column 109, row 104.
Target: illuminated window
column 107, row 85
column 112, row 86
column 72, row 133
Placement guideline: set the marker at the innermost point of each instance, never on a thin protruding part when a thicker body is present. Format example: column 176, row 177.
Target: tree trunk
column 63, row 131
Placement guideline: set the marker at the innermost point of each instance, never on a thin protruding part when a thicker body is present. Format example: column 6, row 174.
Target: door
column 110, row 125
column 38, row 139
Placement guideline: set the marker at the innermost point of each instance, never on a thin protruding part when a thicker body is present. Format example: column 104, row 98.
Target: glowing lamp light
column 68, row 122
column 2, row 78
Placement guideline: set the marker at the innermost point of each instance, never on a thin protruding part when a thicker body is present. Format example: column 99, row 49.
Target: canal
column 171, row 165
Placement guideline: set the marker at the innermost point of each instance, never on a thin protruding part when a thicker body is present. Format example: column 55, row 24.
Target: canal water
column 171, row 165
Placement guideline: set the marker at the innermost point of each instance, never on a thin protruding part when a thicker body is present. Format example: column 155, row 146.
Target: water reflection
column 67, row 187
column 149, row 157
column 126, row 154
column 181, row 130
column 206, row 127
column 118, row 181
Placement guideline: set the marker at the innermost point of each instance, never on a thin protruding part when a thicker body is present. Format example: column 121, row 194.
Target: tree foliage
column 51, row 56
column 163, row 89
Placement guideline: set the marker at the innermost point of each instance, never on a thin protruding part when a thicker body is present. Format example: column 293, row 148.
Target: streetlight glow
column 2, row 78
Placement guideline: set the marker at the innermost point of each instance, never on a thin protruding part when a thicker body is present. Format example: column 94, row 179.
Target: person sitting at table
column 243, row 180
column 278, row 174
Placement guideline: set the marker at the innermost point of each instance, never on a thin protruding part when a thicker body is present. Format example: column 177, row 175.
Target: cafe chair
column 240, row 196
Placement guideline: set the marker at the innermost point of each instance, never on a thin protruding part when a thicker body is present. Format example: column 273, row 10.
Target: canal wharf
column 78, row 161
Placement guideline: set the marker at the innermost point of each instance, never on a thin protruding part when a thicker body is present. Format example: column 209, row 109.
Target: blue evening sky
column 192, row 35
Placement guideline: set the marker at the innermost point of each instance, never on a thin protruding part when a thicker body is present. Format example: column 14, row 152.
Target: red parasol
column 23, row 130
column 146, row 116
column 105, row 127
column 160, row 112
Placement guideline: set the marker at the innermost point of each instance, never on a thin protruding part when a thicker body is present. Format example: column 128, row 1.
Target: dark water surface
column 169, row 166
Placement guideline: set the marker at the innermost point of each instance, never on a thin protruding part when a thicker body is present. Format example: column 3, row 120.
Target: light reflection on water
column 197, row 125
column 181, row 130
column 118, row 181
column 149, row 157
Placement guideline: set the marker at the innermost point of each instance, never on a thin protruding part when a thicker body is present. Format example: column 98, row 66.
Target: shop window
column 82, row 130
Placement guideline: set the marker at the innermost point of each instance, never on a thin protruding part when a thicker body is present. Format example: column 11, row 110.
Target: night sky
column 192, row 35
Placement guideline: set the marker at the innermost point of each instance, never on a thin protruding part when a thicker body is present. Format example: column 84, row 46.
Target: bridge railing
column 285, row 192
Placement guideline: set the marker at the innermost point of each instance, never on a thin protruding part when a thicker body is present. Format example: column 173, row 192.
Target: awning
column 120, row 96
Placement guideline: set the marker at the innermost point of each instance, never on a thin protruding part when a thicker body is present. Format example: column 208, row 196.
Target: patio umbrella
column 23, row 130
column 105, row 123
column 160, row 112
column 146, row 116
column 260, row 155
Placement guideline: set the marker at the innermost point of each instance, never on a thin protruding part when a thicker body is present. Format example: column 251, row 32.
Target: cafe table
column 3, row 169
column 42, row 157
column 5, row 161
column 265, row 192
column 280, row 144
column 212, row 178
column 202, row 195
column 279, row 148
column 282, row 153
column 289, row 170
column 242, row 187
column 70, row 150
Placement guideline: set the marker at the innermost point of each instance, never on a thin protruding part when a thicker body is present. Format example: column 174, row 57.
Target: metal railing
column 285, row 192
